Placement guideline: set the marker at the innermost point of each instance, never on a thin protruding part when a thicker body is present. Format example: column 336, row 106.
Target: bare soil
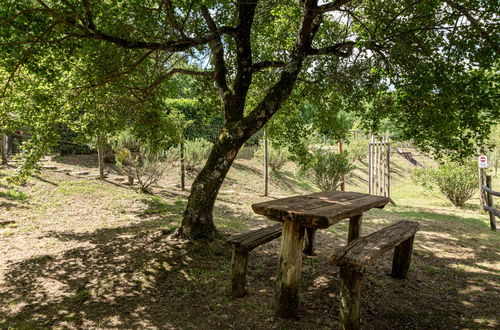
column 85, row 253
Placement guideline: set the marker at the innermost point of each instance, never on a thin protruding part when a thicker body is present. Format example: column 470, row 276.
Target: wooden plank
column 362, row 252
column 250, row 240
column 285, row 209
column 319, row 210
column 302, row 203
column 491, row 210
column 489, row 190
column 330, row 215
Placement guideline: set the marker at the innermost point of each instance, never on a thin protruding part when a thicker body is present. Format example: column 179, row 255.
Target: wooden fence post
column 370, row 174
column 482, row 199
column 100, row 157
column 388, row 147
column 340, row 150
column 489, row 200
column 183, row 165
column 3, row 149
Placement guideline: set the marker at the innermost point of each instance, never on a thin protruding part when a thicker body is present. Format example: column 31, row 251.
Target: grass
column 14, row 195
column 86, row 253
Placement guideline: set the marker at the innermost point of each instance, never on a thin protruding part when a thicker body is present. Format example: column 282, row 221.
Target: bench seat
column 362, row 252
column 242, row 245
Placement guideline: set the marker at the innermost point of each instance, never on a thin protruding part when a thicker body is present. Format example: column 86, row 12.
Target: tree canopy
column 430, row 66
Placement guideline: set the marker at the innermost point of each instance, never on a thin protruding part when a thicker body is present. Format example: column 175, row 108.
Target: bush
column 146, row 166
column 277, row 157
column 196, row 154
column 457, row 182
column 326, row 168
column 357, row 150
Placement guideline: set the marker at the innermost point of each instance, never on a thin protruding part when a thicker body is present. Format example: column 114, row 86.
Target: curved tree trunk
column 198, row 220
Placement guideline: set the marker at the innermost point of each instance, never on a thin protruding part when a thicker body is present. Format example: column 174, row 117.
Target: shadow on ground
column 137, row 277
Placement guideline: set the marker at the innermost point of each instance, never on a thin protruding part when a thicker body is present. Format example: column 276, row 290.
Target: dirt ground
column 85, row 253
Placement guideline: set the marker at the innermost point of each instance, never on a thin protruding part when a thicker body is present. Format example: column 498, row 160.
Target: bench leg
column 286, row 297
column 239, row 264
column 402, row 258
column 354, row 227
column 350, row 296
column 310, row 242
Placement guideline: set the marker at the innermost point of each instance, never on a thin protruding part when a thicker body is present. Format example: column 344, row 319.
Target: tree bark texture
column 489, row 202
column 239, row 264
column 350, row 298
column 289, row 270
column 100, row 156
column 354, row 227
column 3, row 149
column 310, row 242
column 402, row 258
column 198, row 222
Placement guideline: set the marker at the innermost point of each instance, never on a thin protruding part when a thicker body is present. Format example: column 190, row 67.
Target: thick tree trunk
column 198, row 220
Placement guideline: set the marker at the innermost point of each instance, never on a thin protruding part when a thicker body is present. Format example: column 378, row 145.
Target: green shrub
column 326, row 168
column 357, row 149
column 196, row 154
column 457, row 182
column 277, row 157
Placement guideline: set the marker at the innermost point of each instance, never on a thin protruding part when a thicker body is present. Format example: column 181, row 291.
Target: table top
column 319, row 210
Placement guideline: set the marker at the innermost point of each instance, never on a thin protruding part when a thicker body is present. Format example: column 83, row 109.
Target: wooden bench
column 242, row 245
column 359, row 254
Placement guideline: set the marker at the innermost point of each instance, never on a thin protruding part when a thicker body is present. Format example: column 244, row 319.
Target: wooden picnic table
column 314, row 211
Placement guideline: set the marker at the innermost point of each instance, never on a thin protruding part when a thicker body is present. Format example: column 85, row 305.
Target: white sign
column 482, row 161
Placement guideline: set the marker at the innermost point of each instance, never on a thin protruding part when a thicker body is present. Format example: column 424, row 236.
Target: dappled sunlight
column 113, row 263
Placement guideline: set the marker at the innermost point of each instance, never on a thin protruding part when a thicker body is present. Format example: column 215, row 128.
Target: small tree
column 357, row 149
column 146, row 166
column 456, row 181
column 326, row 168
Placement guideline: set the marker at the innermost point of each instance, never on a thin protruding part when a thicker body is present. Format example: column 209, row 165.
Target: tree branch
column 244, row 61
column 259, row 66
column 477, row 25
column 217, row 49
column 172, row 72
column 343, row 49
column 332, row 6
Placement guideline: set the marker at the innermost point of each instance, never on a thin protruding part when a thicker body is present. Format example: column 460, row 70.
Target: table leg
column 289, row 268
column 310, row 242
column 354, row 227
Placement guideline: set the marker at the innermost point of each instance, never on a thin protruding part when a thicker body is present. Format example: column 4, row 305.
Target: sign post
column 482, row 162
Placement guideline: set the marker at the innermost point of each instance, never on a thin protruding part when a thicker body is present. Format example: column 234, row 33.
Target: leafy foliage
column 326, row 168
column 277, row 156
column 456, row 181
column 196, row 153
column 357, row 149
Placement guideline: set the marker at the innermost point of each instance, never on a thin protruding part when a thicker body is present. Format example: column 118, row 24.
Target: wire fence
column 382, row 167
